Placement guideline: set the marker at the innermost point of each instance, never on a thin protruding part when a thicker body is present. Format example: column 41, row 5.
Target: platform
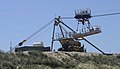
column 80, row 34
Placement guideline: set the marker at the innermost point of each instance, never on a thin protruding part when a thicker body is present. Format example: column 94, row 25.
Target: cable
column 106, row 14
column 41, row 34
column 67, row 17
column 107, row 10
column 39, row 30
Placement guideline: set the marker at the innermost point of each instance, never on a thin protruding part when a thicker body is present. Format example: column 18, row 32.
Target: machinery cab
column 81, row 14
column 71, row 45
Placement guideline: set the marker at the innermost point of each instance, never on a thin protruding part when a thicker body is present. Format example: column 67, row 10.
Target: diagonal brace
column 93, row 46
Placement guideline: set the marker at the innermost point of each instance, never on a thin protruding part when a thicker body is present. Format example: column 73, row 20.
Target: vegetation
column 58, row 60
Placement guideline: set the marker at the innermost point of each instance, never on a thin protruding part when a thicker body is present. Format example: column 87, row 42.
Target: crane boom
column 32, row 35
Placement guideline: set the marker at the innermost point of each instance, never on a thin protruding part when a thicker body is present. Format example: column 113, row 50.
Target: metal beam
column 61, row 30
column 68, row 27
column 93, row 46
column 53, row 37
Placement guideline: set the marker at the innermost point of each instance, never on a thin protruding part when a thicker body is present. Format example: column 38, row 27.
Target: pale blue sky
column 20, row 18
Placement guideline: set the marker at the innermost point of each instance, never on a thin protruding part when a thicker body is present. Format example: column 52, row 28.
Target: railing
column 87, row 32
column 59, row 36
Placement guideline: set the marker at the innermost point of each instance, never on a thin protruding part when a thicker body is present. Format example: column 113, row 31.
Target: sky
column 20, row 18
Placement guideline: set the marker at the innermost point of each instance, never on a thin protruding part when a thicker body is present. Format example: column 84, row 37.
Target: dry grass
column 58, row 60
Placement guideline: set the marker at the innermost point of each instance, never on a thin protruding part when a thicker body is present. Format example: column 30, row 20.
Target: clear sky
column 20, row 18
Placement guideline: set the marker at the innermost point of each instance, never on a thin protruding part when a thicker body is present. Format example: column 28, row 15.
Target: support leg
column 53, row 37
column 93, row 45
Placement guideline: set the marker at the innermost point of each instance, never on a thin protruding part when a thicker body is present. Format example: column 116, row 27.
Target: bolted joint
column 57, row 21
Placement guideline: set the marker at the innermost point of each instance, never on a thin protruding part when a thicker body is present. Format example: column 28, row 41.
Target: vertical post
column 90, row 26
column 53, row 37
column 10, row 46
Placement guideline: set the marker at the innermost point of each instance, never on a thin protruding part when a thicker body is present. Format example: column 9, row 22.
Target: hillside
column 58, row 60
